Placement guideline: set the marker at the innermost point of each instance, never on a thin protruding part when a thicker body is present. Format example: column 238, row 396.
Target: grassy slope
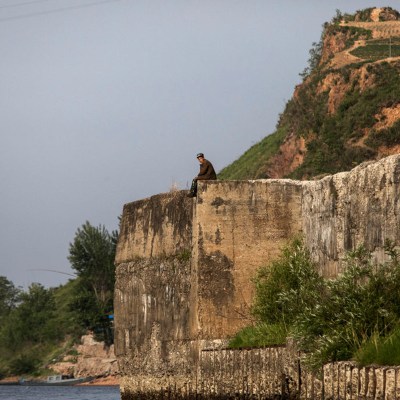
column 249, row 165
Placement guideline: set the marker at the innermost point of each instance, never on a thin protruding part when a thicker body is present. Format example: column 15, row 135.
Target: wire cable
column 51, row 270
column 26, row 3
column 56, row 10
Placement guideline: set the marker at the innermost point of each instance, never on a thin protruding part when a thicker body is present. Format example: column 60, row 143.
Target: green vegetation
column 330, row 136
column 92, row 255
column 252, row 164
column 33, row 329
column 184, row 255
column 359, row 15
column 40, row 325
column 261, row 334
column 375, row 50
column 351, row 33
column 392, row 11
column 336, row 139
column 354, row 316
column 380, row 350
column 387, row 137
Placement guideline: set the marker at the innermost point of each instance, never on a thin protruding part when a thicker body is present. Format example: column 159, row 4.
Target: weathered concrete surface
column 238, row 226
column 343, row 211
column 345, row 380
column 159, row 225
column 266, row 373
column 152, row 314
column 184, row 266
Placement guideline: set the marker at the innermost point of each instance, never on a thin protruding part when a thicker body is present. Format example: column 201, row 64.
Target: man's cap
column 199, row 155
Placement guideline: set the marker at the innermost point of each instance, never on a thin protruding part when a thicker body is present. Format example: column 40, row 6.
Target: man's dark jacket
column 207, row 172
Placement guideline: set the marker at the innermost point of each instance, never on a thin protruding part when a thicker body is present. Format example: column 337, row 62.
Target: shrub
column 389, row 136
column 357, row 305
column 330, row 320
column 286, row 286
column 24, row 364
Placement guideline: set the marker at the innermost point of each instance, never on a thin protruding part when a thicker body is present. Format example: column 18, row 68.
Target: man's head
column 200, row 157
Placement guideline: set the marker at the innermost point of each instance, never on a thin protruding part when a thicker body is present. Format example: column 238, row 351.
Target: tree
column 92, row 256
column 9, row 296
column 33, row 321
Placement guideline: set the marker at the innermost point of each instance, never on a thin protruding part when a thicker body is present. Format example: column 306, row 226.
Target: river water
column 59, row 393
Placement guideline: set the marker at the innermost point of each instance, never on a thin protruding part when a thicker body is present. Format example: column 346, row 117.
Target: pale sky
column 107, row 102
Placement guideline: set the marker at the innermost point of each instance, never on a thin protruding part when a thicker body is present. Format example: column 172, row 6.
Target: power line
column 56, row 10
column 25, row 3
column 52, row 270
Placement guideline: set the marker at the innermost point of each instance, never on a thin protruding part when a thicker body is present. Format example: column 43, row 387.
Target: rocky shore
column 92, row 359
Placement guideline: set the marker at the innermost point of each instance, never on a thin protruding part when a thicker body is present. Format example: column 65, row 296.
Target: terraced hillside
column 347, row 109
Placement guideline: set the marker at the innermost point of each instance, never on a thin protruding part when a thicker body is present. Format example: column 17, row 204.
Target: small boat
column 55, row 380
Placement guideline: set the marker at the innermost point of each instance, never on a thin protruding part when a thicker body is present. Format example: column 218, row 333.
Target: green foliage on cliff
column 333, row 146
column 378, row 49
column 330, row 320
column 359, row 15
column 335, row 140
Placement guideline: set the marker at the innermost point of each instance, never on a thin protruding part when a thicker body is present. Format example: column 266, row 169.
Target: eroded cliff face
column 346, row 210
column 344, row 112
column 193, row 290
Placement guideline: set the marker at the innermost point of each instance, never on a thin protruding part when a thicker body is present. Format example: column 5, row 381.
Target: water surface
column 59, row 393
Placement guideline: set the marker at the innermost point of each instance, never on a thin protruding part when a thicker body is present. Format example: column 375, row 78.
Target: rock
column 93, row 359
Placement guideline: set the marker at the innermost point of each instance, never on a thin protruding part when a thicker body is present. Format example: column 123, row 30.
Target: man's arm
column 206, row 172
column 203, row 172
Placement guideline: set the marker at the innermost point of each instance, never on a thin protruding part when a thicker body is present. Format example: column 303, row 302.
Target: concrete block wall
column 153, row 290
column 184, row 266
column 158, row 225
column 238, row 226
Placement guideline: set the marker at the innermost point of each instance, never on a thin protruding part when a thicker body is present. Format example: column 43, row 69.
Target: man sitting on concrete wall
column 207, row 173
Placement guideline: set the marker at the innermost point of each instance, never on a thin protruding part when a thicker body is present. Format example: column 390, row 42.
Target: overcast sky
column 103, row 104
